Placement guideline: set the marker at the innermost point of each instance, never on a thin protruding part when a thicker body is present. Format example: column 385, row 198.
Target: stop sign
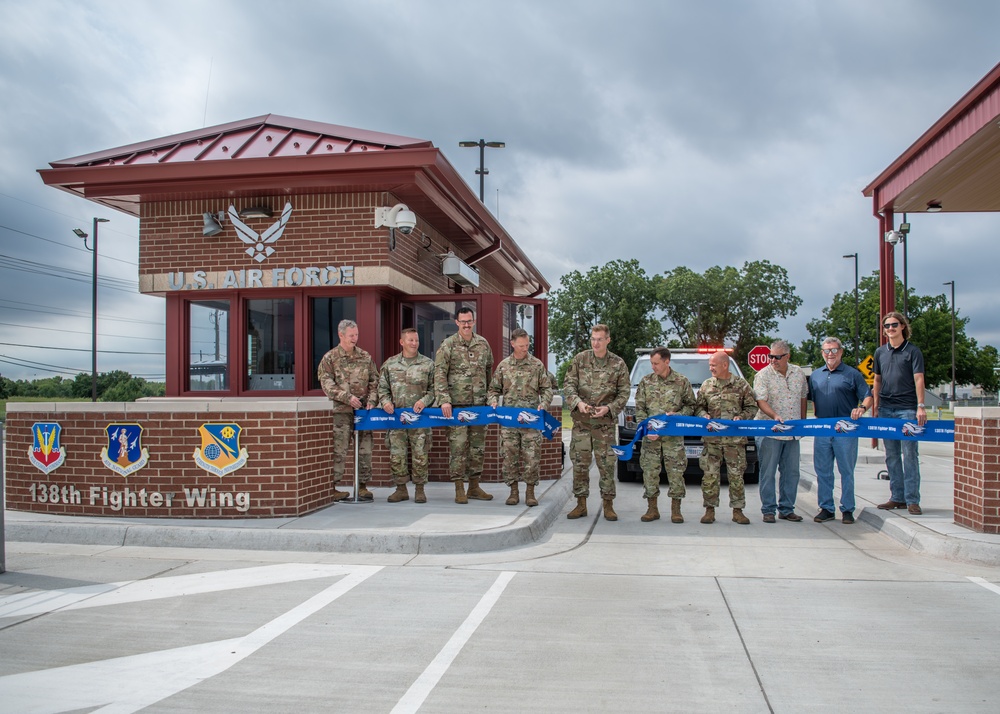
column 758, row 357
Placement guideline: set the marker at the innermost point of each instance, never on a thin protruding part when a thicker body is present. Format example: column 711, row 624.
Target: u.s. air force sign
column 259, row 247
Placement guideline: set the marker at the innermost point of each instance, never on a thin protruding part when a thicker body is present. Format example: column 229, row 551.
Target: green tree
column 618, row 294
column 930, row 322
column 740, row 307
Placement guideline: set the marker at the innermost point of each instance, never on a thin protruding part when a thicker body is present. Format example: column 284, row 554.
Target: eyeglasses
column 890, row 325
column 775, row 358
column 466, row 322
column 831, row 350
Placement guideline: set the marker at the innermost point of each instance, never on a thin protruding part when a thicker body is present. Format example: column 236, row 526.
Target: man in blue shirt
column 835, row 391
column 899, row 394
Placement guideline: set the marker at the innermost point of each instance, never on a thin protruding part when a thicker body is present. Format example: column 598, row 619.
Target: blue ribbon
column 378, row 420
column 873, row 428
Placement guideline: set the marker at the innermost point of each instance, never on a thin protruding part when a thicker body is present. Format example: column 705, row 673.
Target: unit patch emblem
column 220, row 451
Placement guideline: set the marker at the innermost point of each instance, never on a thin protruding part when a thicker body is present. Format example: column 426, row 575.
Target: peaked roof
column 276, row 153
column 269, row 135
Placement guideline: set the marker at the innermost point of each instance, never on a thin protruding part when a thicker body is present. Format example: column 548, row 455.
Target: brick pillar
column 977, row 468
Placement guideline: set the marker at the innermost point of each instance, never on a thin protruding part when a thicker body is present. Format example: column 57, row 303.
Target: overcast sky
column 677, row 132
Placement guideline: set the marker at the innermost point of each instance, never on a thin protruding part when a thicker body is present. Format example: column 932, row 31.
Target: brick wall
column 288, row 472
column 324, row 229
column 977, row 468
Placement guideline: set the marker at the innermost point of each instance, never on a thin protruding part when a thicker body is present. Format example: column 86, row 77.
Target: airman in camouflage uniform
column 663, row 392
column 462, row 368
column 349, row 378
column 523, row 382
column 724, row 396
column 407, row 381
column 596, row 389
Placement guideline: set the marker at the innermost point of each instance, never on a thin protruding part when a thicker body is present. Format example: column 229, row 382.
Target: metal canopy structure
column 272, row 153
column 954, row 167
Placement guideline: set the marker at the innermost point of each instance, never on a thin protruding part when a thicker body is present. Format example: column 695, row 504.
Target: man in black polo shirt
column 899, row 394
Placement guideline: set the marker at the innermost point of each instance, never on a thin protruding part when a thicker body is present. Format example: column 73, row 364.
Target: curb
column 528, row 528
column 918, row 538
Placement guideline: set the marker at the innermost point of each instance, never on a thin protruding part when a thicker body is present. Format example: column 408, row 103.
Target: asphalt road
column 596, row 617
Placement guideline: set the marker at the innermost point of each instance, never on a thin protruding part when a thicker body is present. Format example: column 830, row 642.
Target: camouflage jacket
column 345, row 375
column 522, row 383
column 462, row 371
column 726, row 399
column 598, row 382
column 404, row 382
column 659, row 395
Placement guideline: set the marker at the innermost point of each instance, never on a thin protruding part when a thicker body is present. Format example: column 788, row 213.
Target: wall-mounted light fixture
column 213, row 223
column 456, row 269
column 256, row 212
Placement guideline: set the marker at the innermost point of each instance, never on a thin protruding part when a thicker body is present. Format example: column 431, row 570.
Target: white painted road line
column 154, row 676
column 34, row 603
column 985, row 583
column 420, row 689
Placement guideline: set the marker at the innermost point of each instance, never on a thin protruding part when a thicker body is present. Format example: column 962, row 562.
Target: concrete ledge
column 924, row 540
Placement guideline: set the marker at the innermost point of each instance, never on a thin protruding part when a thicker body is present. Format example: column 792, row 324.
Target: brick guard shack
column 261, row 235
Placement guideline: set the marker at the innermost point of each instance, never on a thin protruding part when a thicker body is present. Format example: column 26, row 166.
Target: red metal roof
column 955, row 163
column 264, row 136
column 276, row 153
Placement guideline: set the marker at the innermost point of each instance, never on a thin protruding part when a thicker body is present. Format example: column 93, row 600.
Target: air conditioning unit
column 456, row 269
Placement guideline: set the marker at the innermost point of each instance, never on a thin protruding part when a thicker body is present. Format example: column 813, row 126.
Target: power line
column 75, row 349
column 81, row 332
column 52, row 310
column 70, row 246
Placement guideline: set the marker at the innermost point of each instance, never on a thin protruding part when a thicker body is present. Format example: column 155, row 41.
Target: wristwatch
column 921, row 406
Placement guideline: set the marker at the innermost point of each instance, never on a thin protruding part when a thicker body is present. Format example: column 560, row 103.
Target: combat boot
column 581, row 508
column 738, row 517
column 609, row 509
column 364, row 494
column 460, row 496
column 400, row 494
column 529, row 495
column 675, row 511
column 515, row 496
column 478, row 493
column 339, row 495
column 419, row 496
column 652, row 513
column 709, row 516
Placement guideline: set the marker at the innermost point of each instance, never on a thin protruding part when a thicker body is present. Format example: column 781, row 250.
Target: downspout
column 484, row 253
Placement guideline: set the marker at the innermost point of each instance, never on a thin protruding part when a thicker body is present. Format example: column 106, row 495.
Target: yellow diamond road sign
column 866, row 366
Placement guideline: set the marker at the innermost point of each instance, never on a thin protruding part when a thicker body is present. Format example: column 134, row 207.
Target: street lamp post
column 952, row 284
column 93, row 316
column 857, row 311
column 482, row 144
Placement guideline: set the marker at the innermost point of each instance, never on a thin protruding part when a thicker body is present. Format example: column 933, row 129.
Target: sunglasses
column 831, row 350
column 890, row 325
column 775, row 358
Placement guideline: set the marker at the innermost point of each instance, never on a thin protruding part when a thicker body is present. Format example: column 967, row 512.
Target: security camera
column 399, row 217
column 893, row 237
column 406, row 221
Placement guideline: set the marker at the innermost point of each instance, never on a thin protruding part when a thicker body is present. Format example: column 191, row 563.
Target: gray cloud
column 680, row 133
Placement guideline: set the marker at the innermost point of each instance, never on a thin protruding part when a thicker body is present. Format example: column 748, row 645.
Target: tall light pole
column 93, row 316
column 482, row 144
column 952, row 284
column 857, row 311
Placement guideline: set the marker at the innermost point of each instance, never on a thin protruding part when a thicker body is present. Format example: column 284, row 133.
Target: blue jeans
column 902, row 461
column 845, row 451
column 777, row 455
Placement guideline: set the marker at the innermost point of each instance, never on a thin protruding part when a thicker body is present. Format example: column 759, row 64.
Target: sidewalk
column 933, row 533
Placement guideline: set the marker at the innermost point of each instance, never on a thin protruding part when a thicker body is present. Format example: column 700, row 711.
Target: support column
column 977, row 468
